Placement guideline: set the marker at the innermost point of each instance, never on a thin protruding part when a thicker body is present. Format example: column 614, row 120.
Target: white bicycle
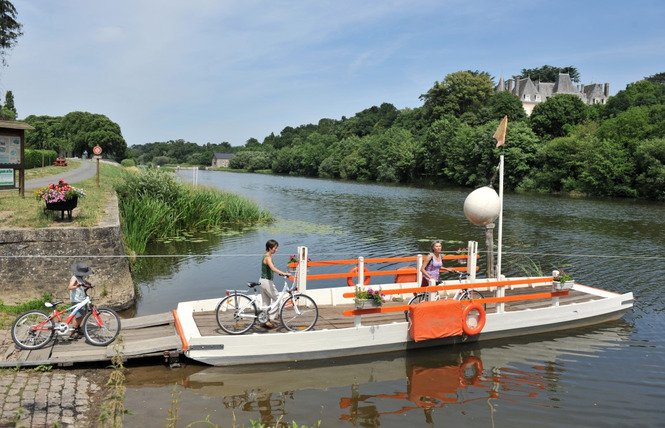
column 460, row 294
column 238, row 312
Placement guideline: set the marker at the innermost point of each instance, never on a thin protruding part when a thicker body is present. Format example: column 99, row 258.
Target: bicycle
column 460, row 294
column 238, row 312
column 34, row 329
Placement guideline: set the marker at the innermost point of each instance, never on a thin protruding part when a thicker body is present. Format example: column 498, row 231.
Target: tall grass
column 154, row 205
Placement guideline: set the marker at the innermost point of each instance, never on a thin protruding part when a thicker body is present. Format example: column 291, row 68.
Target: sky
column 212, row 71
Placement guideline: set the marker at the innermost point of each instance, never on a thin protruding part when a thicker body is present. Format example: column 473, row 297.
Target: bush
column 127, row 163
column 33, row 158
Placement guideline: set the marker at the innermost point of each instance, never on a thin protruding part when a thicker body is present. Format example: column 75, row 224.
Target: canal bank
column 37, row 261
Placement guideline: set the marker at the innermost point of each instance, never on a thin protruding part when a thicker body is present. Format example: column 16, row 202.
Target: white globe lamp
column 482, row 206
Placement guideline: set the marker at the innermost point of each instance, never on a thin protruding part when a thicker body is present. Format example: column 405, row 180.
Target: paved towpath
column 48, row 399
column 88, row 169
column 58, row 397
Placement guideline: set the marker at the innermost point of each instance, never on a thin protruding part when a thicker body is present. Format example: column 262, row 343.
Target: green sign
column 7, row 177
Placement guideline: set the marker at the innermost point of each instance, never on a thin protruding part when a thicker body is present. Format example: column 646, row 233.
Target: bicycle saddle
column 253, row 284
column 53, row 304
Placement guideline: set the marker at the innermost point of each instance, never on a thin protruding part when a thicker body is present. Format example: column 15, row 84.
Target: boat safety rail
column 402, row 308
column 367, row 273
column 486, row 284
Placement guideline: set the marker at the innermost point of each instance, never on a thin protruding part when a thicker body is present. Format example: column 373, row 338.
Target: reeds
column 154, row 205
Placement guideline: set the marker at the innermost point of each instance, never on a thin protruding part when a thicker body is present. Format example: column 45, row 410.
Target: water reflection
column 415, row 388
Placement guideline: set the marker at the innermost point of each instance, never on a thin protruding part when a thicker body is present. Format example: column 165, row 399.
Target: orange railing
column 504, row 299
column 354, row 262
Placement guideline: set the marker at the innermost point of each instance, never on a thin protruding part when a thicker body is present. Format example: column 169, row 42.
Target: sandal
column 75, row 334
column 268, row 325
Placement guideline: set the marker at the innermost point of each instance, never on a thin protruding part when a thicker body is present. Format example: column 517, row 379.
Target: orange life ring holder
column 354, row 272
column 472, row 331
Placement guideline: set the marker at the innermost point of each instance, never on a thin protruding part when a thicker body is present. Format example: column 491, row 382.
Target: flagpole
column 500, row 136
column 498, row 255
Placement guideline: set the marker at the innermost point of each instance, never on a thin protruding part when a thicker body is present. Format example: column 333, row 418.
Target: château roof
column 564, row 85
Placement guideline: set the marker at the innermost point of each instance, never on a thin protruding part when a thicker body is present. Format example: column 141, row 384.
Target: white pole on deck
column 500, row 292
column 498, row 254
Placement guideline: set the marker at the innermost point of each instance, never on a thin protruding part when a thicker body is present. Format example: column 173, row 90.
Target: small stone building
column 221, row 160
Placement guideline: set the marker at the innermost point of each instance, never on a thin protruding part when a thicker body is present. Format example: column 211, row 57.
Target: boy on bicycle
column 76, row 287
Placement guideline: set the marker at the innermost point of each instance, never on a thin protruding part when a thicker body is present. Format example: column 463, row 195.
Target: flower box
column 62, row 206
column 366, row 303
column 563, row 285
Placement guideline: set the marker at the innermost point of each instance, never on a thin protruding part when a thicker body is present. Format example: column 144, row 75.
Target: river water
column 608, row 375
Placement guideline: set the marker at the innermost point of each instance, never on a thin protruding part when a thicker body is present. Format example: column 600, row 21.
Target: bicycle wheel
column 473, row 295
column 236, row 313
column 101, row 326
column 418, row 298
column 32, row 330
column 299, row 313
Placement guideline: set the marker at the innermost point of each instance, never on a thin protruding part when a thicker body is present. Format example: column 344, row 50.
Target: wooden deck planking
column 141, row 336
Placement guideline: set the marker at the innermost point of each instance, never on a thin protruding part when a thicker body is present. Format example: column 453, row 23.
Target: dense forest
column 612, row 149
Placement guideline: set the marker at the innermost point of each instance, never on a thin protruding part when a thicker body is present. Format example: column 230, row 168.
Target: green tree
column 549, row 73
column 75, row 133
column 658, row 78
column 557, row 165
column 634, row 125
column 502, row 104
column 608, row 169
column 642, row 93
column 650, row 169
column 372, row 120
column 86, row 130
column 9, row 104
column 251, row 160
column 413, row 120
column 462, row 92
column 557, row 116
column 331, row 166
column 10, row 29
column 396, row 160
column 434, row 147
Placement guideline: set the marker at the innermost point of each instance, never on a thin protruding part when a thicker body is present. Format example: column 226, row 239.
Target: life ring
column 354, row 272
column 472, row 331
column 467, row 364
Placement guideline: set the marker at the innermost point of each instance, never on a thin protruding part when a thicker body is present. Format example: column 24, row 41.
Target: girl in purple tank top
column 432, row 264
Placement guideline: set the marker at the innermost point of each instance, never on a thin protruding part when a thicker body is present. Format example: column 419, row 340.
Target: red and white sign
column 97, row 150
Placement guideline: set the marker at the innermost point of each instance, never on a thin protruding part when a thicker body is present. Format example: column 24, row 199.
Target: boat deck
column 331, row 317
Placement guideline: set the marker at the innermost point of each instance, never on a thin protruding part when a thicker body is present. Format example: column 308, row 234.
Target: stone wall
column 37, row 261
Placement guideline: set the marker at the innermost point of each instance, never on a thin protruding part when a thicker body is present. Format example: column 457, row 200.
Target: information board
column 7, row 177
column 10, row 150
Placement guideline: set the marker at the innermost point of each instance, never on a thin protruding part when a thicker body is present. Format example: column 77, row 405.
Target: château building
column 532, row 93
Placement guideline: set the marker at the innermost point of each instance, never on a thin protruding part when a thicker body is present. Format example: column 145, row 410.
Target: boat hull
column 358, row 340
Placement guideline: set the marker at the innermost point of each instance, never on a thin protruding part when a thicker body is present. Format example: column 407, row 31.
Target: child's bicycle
column 238, row 312
column 460, row 294
column 34, row 329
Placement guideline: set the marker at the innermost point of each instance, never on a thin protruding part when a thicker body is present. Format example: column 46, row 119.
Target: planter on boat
column 366, row 303
column 565, row 285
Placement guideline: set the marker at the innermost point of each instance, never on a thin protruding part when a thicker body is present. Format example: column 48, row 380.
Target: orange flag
column 500, row 134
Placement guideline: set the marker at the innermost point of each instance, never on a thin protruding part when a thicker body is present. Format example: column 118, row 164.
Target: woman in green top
column 268, row 290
